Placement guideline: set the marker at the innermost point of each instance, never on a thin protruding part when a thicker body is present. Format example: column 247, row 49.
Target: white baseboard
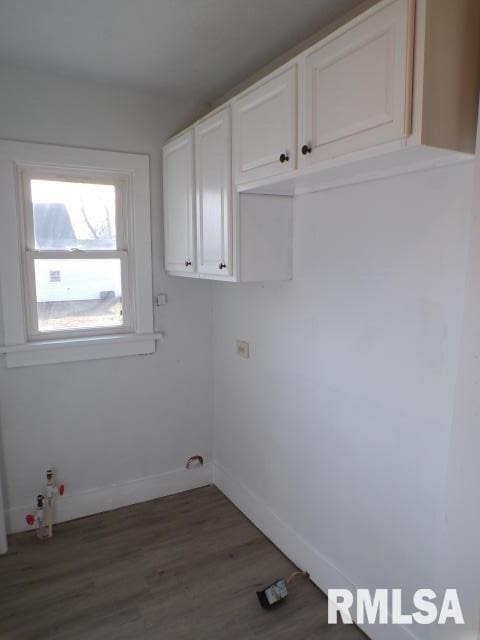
column 322, row 572
column 85, row 503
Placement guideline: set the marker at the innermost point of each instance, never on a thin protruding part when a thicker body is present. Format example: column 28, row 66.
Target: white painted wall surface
column 459, row 551
column 117, row 430
column 334, row 435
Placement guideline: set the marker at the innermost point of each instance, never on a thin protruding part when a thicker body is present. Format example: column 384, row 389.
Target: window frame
column 23, row 343
column 30, row 253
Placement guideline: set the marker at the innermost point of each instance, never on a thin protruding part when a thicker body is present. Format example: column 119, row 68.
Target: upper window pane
column 73, row 215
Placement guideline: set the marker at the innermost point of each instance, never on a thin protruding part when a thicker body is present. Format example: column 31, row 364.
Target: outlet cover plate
column 243, row 349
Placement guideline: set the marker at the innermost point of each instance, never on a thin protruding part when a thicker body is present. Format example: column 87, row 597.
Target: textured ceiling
column 186, row 48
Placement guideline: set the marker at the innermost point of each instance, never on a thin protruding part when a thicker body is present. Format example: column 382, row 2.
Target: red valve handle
column 30, row 519
column 61, row 489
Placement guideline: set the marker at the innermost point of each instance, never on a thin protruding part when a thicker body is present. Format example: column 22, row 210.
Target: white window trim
column 17, row 157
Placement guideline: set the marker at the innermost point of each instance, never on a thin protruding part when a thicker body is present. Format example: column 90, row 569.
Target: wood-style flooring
column 182, row 567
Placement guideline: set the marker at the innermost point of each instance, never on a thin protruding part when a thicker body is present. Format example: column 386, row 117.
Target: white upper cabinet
column 178, row 190
column 265, row 128
column 394, row 89
column 213, row 158
column 356, row 85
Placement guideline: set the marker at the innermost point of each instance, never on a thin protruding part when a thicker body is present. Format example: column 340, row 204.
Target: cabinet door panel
column 264, row 128
column 213, row 184
column 178, row 190
column 357, row 84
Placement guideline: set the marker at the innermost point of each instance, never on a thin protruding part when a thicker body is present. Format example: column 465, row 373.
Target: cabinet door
column 265, row 129
column 357, row 84
column 213, row 183
column 178, row 192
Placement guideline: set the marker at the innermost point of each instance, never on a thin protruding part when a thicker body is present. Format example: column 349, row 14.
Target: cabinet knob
column 188, row 263
column 284, row 157
column 306, row 149
column 222, row 265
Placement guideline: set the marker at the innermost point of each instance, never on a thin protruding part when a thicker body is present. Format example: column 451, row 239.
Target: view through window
column 76, row 257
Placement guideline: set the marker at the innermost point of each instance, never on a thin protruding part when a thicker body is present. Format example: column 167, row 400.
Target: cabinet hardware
column 306, row 149
column 188, row 263
column 222, row 265
column 284, row 157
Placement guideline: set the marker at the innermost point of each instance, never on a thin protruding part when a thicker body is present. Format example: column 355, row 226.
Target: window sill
column 77, row 349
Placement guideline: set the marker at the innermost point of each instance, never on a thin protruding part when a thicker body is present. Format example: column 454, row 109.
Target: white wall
column 334, row 435
column 459, row 551
column 107, row 422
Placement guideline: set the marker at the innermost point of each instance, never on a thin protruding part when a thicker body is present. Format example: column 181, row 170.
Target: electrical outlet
column 243, row 349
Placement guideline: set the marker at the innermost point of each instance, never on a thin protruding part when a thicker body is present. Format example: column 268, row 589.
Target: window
column 75, row 255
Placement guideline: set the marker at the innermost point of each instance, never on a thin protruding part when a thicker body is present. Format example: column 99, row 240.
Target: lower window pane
column 78, row 294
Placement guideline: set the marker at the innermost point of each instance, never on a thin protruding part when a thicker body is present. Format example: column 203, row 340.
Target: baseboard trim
column 86, row 503
column 322, row 572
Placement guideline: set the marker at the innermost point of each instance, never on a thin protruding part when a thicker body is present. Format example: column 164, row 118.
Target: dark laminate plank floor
column 184, row 566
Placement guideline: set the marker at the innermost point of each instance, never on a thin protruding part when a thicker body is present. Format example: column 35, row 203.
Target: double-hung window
column 75, row 255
